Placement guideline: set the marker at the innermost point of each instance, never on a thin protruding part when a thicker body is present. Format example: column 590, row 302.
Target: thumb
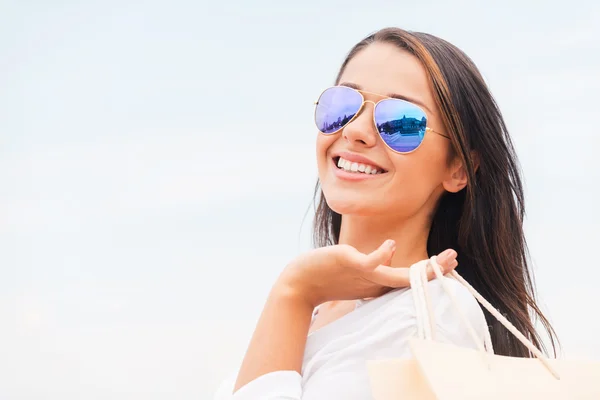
column 381, row 256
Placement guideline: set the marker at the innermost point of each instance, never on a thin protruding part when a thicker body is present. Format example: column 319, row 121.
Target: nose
column 361, row 130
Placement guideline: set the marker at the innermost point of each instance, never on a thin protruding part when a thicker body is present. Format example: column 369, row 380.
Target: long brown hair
column 484, row 221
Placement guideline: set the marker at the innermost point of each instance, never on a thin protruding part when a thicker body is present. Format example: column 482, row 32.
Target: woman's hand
column 341, row 272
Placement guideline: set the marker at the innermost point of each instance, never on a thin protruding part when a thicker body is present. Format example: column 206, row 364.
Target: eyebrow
column 392, row 95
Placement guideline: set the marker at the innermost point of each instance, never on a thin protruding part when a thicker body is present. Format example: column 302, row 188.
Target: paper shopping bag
column 440, row 371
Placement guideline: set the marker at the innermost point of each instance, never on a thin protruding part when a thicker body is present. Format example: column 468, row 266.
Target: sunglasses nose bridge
column 369, row 101
column 353, row 132
column 362, row 106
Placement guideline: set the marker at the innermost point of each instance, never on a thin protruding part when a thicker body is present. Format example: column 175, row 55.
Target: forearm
column 279, row 338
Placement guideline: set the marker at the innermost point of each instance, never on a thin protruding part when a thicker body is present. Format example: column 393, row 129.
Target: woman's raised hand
column 341, row 272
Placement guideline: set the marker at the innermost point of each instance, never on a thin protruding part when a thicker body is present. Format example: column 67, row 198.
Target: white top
column 335, row 356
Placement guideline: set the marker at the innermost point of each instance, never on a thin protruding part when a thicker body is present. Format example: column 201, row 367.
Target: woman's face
column 412, row 183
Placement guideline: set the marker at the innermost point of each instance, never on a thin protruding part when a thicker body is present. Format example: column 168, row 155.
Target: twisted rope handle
column 419, row 300
column 424, row 314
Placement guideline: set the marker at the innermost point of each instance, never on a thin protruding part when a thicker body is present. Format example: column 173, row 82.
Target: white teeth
column 357, row 167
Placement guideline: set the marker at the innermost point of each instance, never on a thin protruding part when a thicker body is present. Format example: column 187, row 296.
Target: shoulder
column 441, row 300
column 449, row 324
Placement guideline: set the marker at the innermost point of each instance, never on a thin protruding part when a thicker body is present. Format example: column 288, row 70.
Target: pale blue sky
column 157, row 161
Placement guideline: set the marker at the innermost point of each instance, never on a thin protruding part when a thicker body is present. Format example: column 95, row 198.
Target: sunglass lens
column 336, row 107
column 401, row 124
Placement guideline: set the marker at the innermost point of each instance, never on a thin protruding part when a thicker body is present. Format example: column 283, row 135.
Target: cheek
column 324, row 142
column 417, row 180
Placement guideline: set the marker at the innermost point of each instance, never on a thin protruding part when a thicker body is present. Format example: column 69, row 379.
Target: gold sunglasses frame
column 362, row 106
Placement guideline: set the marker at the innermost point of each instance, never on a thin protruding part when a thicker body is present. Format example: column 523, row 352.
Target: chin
column 352, row 205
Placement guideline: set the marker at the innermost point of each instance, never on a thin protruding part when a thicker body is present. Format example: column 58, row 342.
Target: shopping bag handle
column 418, row 277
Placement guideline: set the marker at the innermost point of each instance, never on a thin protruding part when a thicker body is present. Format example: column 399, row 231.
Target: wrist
column 292, row 287
column 282, row 293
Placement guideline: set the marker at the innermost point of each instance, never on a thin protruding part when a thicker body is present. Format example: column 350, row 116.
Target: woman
column 414, row 158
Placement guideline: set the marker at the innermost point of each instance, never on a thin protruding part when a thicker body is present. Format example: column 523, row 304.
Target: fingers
column 378, row 261
column 447, row 262
column 399, row 277
column 390, row 276
column 389, row 260
column 350, row 256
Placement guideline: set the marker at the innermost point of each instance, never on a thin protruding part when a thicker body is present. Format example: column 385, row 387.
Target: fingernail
column 390, row 243
column 446, row 254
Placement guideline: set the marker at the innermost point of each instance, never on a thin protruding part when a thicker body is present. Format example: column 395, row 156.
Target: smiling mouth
column 358, row 168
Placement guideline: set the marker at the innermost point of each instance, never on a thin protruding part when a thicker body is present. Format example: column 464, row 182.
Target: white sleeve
column 277, row 385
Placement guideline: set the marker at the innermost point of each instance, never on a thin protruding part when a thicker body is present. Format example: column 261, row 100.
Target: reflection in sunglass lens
column 336, row 107
column 401, row 124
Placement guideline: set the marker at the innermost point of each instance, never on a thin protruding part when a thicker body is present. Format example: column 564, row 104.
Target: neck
column 366, row 234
